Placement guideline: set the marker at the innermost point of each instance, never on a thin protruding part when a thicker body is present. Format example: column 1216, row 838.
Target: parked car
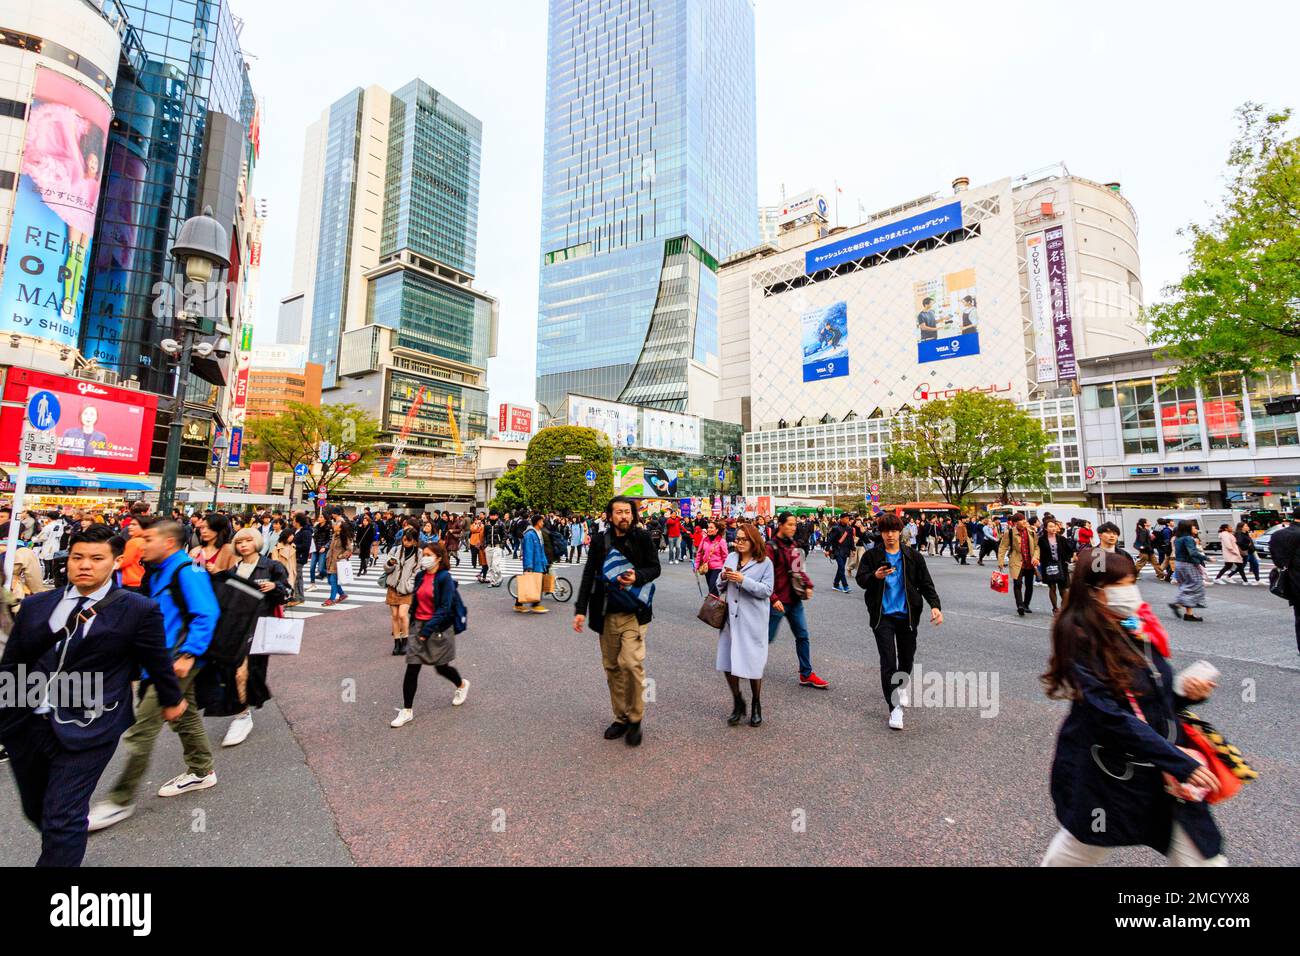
column 1261, row 544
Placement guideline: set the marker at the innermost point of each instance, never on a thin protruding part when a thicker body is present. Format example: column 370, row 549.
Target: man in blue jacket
column 84, row 643
column 190, row 611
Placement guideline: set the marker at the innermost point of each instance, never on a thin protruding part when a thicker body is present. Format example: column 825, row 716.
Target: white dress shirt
column 59, row 619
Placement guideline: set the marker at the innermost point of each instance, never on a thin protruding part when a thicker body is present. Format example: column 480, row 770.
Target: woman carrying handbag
column 746, row 584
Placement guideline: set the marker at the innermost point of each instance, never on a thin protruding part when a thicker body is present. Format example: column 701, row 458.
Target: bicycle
column 561, row 591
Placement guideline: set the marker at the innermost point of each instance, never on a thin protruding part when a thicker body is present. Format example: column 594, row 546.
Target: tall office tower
column 649, row 179
column 383, row 291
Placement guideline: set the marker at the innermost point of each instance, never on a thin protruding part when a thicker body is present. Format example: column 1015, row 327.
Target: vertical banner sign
column 1062, row 321
column 47, row 258
column 1040, row 301
column 236, row 445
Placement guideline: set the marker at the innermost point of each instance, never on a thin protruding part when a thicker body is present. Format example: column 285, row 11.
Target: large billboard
column 514, row 422
column 970, row 335
column 101, row 429
column 1040, row 306
column 1062, row 318
column 618, row 422
column 48, row 254
column 947, row 316
column 824, row 338
column 901, row 232
column 670, row 431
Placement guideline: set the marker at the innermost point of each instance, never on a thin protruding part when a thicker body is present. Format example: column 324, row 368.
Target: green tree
column 1238, row 306
column 508, row 492
column 294, row 438
column 554, row 482
column 966, row 442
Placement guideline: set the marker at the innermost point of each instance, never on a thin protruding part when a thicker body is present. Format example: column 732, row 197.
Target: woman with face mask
column 1122, row 753
column 432, row 639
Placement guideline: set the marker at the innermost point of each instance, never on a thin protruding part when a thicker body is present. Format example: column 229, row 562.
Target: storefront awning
column 72, row 479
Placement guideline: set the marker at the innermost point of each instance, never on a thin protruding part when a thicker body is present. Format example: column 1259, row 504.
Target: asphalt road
column 522, row 774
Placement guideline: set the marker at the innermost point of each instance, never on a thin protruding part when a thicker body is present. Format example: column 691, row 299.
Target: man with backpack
column 189, row 627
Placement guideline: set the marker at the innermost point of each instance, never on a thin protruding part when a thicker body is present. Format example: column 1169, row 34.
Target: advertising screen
column 618, row 422
column 660, row 482
column 100, row 428
column 824, row 335
column 901, row 232
column 1180, row 427
column 47, row 258
column 514, row 422
column 629, row 480
column 670, row 431
column 947, row 316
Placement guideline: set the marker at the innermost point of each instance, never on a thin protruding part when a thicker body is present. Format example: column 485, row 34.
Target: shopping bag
column 548, row 583
column 345, row 573
column 277, row 635
column 530, row 587
column 1000, row 582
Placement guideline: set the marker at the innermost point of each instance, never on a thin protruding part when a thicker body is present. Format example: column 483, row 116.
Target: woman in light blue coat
column 746, row 584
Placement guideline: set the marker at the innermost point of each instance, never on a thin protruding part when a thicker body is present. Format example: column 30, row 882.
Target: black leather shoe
column 1020, row 611
column 615, row 730
column 756, row 718
column 633, row 738
column 1028, row 609
column 397, row 648
column 737, row 712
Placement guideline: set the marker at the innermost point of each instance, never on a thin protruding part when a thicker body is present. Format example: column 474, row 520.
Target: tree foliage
column 969, row 441
column 508, row 492
column 294, row 438
column 1238, row 306
column 552, row 482
column 895, row 487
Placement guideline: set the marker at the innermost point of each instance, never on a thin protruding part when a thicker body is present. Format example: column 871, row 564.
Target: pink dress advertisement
column 48, row 254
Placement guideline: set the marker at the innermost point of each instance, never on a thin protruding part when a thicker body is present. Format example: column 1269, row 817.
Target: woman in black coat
column 1124, row 773
column 1056, row 551
column 272, row 579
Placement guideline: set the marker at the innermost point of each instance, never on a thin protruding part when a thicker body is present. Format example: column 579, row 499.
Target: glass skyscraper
column 387, row 289
column 649, row 179
column 181, row 63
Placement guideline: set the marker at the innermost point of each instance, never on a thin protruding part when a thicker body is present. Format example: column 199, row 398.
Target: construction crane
column 400, row 445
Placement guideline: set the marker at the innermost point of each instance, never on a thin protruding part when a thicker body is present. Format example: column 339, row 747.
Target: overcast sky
column 890, row 100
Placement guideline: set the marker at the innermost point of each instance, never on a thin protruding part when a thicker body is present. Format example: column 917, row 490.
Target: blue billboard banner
column 959, row 346
column 824, row 334
column 48, row 250
column 875, row 241
column 236, row 445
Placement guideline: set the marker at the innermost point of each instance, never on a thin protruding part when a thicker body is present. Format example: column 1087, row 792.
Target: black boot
column 737, row 712
column 756, row 717
column 397, row 646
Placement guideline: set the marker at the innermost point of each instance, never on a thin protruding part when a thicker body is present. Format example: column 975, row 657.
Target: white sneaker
column 461, row 693
column 896, row 718
column 106, row 813
column 238, row 730
column 404, row 717
column 904, row 697
column 187, row 782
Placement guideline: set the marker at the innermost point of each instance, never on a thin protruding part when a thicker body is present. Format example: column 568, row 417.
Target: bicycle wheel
column 514, row 586
column 563, row 590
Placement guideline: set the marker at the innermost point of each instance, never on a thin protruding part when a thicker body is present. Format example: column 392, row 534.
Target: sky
column 891, row 101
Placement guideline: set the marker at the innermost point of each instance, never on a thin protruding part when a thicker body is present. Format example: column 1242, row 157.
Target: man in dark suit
column 83, row 644
column 1284, row 548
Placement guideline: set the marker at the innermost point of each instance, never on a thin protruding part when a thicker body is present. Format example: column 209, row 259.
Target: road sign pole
column 20, row 489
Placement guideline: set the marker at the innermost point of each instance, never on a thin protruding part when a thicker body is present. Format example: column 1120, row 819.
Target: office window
column 1137, row 411
column 1224, row 415
column 1271, row 431
column 1180, row 425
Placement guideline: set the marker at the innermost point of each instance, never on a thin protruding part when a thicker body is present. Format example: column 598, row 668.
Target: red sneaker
column 812, row 680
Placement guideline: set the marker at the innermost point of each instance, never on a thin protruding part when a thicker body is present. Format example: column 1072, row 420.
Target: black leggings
column 412, row 680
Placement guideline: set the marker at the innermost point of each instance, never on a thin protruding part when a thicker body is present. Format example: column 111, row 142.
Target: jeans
column 1252, row 562
column 688, row 547
column 712, row 579
column 674, row 549
column 840, row 579
column 336, row 591
column 297, row 583
column 318, row 563
column 1024, row 587
column 794, row 613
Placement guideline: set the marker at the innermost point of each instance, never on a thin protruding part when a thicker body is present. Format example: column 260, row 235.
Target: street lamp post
column 219, row 449
column 201, row 250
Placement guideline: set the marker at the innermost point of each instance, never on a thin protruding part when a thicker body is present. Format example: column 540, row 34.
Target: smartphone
column 890, row 570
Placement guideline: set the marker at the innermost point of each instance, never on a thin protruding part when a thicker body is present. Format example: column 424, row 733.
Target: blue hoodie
column 201, row 604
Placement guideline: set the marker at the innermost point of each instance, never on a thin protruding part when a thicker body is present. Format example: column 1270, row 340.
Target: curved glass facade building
column 649, row 179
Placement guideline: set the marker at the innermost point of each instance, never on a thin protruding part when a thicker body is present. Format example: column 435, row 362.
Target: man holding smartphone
column 896, row 581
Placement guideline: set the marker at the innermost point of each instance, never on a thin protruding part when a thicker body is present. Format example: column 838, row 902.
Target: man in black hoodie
column 618, row 617
column 896, row 580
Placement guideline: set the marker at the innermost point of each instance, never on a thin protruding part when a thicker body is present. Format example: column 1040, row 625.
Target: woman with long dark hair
column 1189, row 571
column 1123, row 773
column 340, row 549
column 214, row 552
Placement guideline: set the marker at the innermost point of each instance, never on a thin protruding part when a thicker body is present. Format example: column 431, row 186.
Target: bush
column 551, row 483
